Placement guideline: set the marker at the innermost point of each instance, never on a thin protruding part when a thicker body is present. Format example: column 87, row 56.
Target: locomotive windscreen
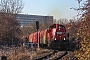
column 61, row 26
column 53, row 26
column 56, row 26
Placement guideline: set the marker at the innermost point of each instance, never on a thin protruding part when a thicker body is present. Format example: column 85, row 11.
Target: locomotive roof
column 58, row 24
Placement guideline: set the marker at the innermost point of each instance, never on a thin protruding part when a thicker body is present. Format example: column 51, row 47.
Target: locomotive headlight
column 64, row 38
column 55, row 38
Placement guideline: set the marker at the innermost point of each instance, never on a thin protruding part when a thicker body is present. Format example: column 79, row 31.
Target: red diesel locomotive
column 54, row 37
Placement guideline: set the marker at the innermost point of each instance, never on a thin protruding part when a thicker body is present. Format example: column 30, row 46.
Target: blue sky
column 56, row 8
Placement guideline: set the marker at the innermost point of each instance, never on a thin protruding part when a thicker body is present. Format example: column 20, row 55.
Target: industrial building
column 25, row 19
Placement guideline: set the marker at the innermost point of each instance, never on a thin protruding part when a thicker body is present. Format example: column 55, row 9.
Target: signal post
column 37, row 27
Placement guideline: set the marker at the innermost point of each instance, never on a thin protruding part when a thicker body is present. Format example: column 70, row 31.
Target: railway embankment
column 20, row 53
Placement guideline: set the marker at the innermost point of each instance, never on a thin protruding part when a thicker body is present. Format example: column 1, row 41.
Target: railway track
column 58, row 55
column 69, row 56
column 42, row 54
column 55, row 55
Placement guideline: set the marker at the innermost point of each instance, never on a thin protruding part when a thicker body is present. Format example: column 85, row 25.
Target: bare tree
column 9, row 26
column 11, row 6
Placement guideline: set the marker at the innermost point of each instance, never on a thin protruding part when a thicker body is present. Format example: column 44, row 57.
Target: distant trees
column 46, row 24
column 28, row 29
column 31, row 28
column 61, row 21
column 9, row 27
column 72, row 27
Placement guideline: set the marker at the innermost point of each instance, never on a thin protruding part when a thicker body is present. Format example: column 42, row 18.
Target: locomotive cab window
column 53, row 26
column 61, row 26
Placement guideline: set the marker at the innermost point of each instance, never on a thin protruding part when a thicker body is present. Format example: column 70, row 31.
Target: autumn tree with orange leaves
column 84, row 32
